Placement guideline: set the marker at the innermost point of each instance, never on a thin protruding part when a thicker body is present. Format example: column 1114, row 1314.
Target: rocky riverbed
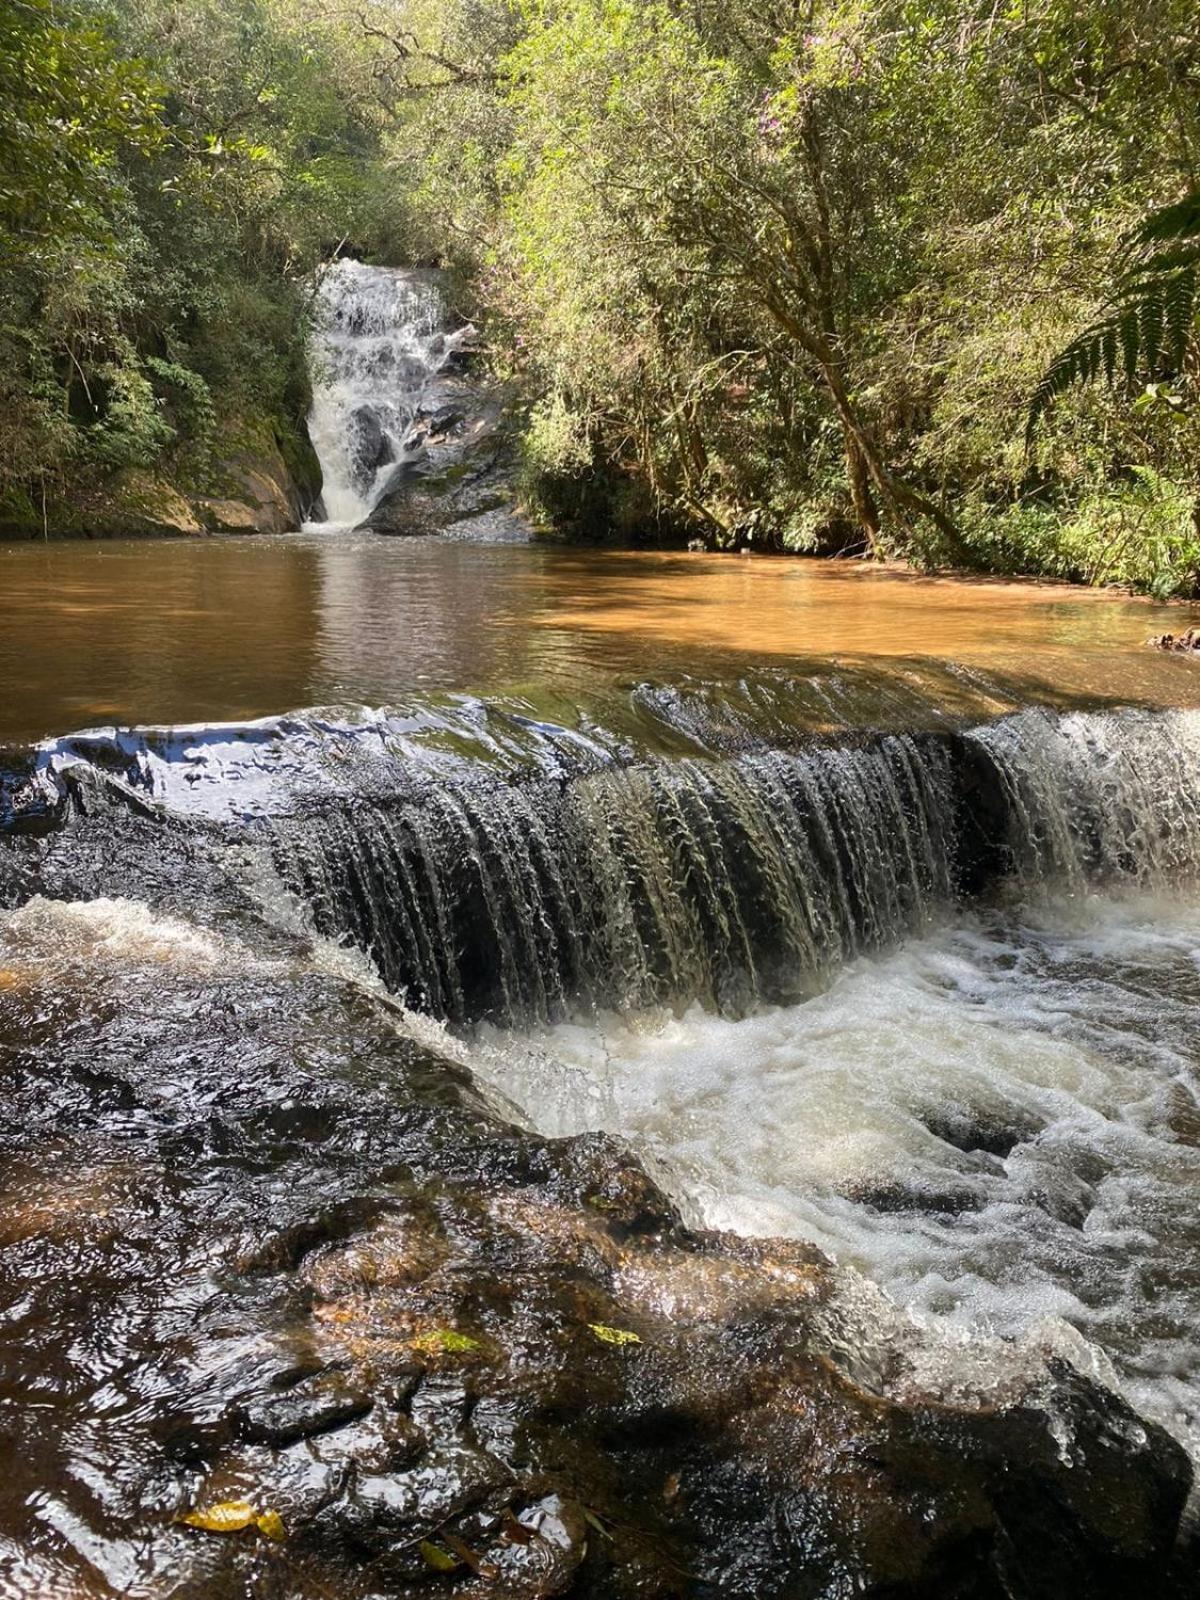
column 267, row 1257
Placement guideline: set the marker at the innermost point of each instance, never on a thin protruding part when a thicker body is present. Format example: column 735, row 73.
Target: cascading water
column 381, row 342
column 928, row 999
column 501, row 868
column 732, row 881
column 725, row 881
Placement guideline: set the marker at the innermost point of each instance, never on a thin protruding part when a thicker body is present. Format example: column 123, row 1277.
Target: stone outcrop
column 1187, row 643
column 248, row 486
column 463, row 466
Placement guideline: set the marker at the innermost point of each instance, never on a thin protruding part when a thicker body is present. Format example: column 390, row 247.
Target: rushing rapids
column 820, row 984
column 495, row 867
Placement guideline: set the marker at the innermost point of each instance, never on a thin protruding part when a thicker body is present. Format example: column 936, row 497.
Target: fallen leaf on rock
column 483, row 1569
column 441, row 1340
column 515, row 1532
column 593, row 1521
column 440, row 1560
column 609, row 1335
column 233, row 1516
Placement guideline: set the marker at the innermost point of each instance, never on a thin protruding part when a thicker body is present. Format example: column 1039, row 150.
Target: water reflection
column 228, row 629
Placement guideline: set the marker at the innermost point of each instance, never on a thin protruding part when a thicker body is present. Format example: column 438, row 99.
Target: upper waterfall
column 379, row 343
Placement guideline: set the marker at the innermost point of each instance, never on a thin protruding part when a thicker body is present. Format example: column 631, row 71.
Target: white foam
column 109, row 931
column 1074, row 1033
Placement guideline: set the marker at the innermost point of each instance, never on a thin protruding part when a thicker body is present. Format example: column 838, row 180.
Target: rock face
column 249, row 487
column 459, row 463
column 1187, row 643
column 370, row 446
column 259, row 1248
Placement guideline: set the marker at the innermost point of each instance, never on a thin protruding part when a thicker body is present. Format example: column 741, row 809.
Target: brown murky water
column 158, row 632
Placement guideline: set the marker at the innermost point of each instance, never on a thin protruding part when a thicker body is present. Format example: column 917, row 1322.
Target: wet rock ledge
column 260, row 1250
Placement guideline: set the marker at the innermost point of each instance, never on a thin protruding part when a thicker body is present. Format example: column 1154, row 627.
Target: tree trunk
column 862, row 454
column 864, row 460
column 858, row 474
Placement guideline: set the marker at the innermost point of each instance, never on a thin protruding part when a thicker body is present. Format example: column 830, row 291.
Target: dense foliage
column 792, row 274
column 170, row 176
column 781, row 272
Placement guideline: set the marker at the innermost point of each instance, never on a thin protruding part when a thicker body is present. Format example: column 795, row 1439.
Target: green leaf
column 445, row 1341
column 440, row 1560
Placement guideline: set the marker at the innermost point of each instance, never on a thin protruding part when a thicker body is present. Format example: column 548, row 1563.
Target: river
column 224, row 629
column 377, row 912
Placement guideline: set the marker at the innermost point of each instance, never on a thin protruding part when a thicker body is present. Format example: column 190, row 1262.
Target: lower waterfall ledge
column 261, row 1247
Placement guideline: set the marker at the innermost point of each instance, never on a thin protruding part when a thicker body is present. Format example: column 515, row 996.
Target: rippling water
column 219, row 629
column 1000, row 1123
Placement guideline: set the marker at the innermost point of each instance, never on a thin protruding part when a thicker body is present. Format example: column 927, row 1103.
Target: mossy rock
column 250, row 478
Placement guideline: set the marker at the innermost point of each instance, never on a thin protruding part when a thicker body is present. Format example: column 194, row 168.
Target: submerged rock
column 260, row 1248
column 1187, row 643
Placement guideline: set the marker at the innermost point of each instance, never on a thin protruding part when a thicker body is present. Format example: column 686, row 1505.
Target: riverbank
column 248, row 478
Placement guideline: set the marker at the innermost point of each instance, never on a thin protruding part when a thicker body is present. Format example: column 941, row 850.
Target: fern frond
column 1181, row 301
column 1131, row 344
column 1151, row 316
column 1178, row 221
column 1162, row 262
column 1078, row 363
column 1108, row 349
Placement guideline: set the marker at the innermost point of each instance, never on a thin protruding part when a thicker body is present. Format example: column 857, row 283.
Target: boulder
column 137, row 502
column 369, row 446
column 467, row 467
column 227, row 516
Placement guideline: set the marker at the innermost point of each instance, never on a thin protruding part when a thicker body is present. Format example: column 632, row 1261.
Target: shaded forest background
column 772, row 273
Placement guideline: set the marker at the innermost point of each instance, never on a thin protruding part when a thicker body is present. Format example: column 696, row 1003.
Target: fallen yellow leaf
column 608, row 1335
column 270, row 1525
column 440, row 1560
column 228, row 1516
column 233, row 1516
column 441, row 1340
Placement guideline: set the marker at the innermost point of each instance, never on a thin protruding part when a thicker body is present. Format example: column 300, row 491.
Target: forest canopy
column 778, row 274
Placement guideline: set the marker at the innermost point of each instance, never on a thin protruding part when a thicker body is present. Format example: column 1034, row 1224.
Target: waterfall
column 1104, row 797
column 725, row 881
column 380, row 344
column 738, row 880
column 498, row 867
